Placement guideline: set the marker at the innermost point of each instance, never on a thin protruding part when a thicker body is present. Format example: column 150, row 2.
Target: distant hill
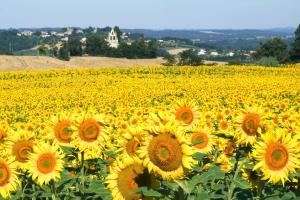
column 216, row 34
column 246, row 39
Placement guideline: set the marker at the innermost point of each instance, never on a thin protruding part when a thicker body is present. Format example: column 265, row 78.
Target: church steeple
column 112, row 39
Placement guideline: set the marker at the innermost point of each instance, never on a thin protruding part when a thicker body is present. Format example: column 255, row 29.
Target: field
column 9, row 63
column 223, row 132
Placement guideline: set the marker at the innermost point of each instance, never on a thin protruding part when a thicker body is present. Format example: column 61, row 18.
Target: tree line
column 273, row 52
column 96, row 45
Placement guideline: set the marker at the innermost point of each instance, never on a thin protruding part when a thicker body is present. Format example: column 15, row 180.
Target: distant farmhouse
column 112, row 39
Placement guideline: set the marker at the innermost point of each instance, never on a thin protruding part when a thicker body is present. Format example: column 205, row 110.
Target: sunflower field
column 230, row 132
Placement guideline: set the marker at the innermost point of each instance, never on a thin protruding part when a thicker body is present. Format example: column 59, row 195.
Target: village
column 172, row 46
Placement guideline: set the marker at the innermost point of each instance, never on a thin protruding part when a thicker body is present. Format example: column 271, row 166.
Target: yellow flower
column 203, row 139
column 9, row 181
column 130, row 141
column 249, row 126
column 60, row 128
column 128, row 175
column 187, row 113
column 46, row 163
column 167, row 152
column 277, row 156
column 90, row 135
column 20, row 143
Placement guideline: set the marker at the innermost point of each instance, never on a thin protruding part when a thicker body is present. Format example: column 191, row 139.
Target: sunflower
column 167, row 152
column 60, row 128
column 277, row 155
column 9, row 181
column 249, row 126
column 186, row 113
column 203, row 139
column 90, row 135
column 130, row 141
column 20, row 143
column 46, row 163
column 128, row 175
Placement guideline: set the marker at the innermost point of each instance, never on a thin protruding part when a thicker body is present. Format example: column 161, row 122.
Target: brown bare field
column 11, row 63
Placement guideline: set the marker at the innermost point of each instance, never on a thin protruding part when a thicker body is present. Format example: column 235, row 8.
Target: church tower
column 112, row 39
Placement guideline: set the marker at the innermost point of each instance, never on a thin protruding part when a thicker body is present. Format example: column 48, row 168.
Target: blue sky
column 154, row 14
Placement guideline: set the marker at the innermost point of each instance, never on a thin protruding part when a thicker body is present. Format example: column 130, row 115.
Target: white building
column 65, row 39
column 26, row 33
column 112, row 39
column 230, row 54
column 201, row 52
column 214, row 53
column 44, row 34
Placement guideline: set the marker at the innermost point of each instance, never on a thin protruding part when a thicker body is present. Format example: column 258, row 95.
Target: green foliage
column 11, row 42
column 75, row 46
column 169, row 59
column 268, row 61
column 42, row 49
column 273, row 48
column 63, row 53
column 96, row 45
column 295, row 52
column 189, row 58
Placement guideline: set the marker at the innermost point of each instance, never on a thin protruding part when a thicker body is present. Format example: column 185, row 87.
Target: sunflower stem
column 53, row 191
column 33, row 189
column 237, row 168
column 82, row 174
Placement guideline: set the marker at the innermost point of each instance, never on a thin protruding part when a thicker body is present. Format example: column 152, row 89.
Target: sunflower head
column 61, row 128
column 9, row 181
column 203, row 140
column 21, row 143
column 277, row 155
column 249, row 126
column 90, row 134
column 127, row 176
column 131, row 140
column 167, row 152
column 186, row 113
column 46, row 163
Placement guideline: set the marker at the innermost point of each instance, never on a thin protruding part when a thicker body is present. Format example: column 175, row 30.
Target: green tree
column 273, row 48
column 119, row 32
column 42, row 49
column 63, row 53
column 295, row 52
column 169, row 59
column 268, row 61
column 96, row 45
column 75, row 46
column 189, row 57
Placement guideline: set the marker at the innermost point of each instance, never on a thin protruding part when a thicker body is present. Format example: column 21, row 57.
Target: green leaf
column 148, row 192
column 289, row 195
column 198, row 156
column 242, row 184
column 202, row 195
column 186, row 187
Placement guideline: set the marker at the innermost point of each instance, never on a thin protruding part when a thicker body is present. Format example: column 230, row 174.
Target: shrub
column 268, row 61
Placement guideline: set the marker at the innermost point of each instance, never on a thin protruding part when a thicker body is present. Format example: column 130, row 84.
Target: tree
column 295, row 52
column 119, row 33
column 189, row 57
column 42, row 49
column 96, row 45
column 63, row 53
column 169, row 59
column 268, row 61
column 273, row 48
column 75, row 46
